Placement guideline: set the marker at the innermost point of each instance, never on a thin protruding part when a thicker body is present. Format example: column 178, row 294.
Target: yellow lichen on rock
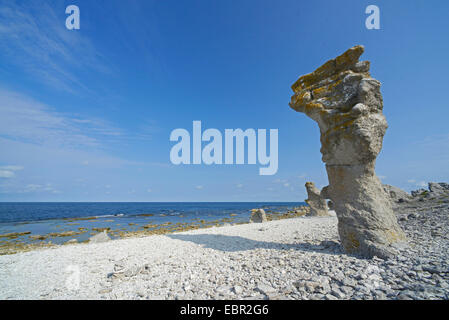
column 349, row 58
column 342, row 62
column 351, row 242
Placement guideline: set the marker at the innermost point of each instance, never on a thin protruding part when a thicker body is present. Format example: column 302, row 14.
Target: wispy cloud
column 9, row 171
column 434, row 140
column 34, row 188
column 24, row 119
column 13, row 168
column 421, row 184
column 33, row 37
column 434, row 147
column 6, row 174
column 284, row 182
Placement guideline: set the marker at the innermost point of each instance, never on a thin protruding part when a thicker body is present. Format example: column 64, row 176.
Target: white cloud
column 422, row 184
column 6, row 174
column 12, row 168
column 199, row 187
column 283, row 181
column 33, row 188
column 149, row 190
column 239, row 186
column 26, row 120
column 8, row 171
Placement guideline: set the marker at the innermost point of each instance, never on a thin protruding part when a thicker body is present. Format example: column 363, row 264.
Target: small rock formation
column 438, row 188
column 435, row 190
column 397, row 195
column 258, row 216
column 301, row 211
column 98, row 238
column 419, row 192
column 346, row 102
column 318, row 205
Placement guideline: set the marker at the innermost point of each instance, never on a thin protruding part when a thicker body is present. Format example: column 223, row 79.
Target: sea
column 31, row 219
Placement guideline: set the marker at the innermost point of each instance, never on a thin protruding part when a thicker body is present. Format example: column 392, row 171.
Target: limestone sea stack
column 317, row 204
column 345, row 101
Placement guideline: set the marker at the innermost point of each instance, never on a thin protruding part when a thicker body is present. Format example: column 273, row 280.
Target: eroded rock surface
column 346, row 102
column 396, row 194
column 258, row 216
column 435, row 190
column 318, row 205
column 438, row 189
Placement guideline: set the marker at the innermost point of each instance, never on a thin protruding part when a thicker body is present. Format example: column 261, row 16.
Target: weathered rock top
column 334, row 86
column 343, row 98
column 348, row 61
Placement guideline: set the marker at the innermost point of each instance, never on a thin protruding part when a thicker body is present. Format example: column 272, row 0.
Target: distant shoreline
column 19, row 236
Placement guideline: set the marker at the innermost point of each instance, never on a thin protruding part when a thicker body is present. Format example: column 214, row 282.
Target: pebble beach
column 295, row 258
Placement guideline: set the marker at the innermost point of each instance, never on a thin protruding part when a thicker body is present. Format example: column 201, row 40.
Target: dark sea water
column 42, row 218
column 37, row 211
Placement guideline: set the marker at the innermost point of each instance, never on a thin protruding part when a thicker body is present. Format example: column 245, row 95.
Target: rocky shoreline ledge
column 297, row 258
column 10, row 244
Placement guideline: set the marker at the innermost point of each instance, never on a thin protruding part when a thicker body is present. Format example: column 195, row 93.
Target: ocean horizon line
column 303, row 201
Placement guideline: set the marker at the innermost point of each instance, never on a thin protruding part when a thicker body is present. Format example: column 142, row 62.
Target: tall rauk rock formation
column 347, row 104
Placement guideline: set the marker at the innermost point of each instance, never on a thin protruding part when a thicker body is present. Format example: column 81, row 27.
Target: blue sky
column 86, row 115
